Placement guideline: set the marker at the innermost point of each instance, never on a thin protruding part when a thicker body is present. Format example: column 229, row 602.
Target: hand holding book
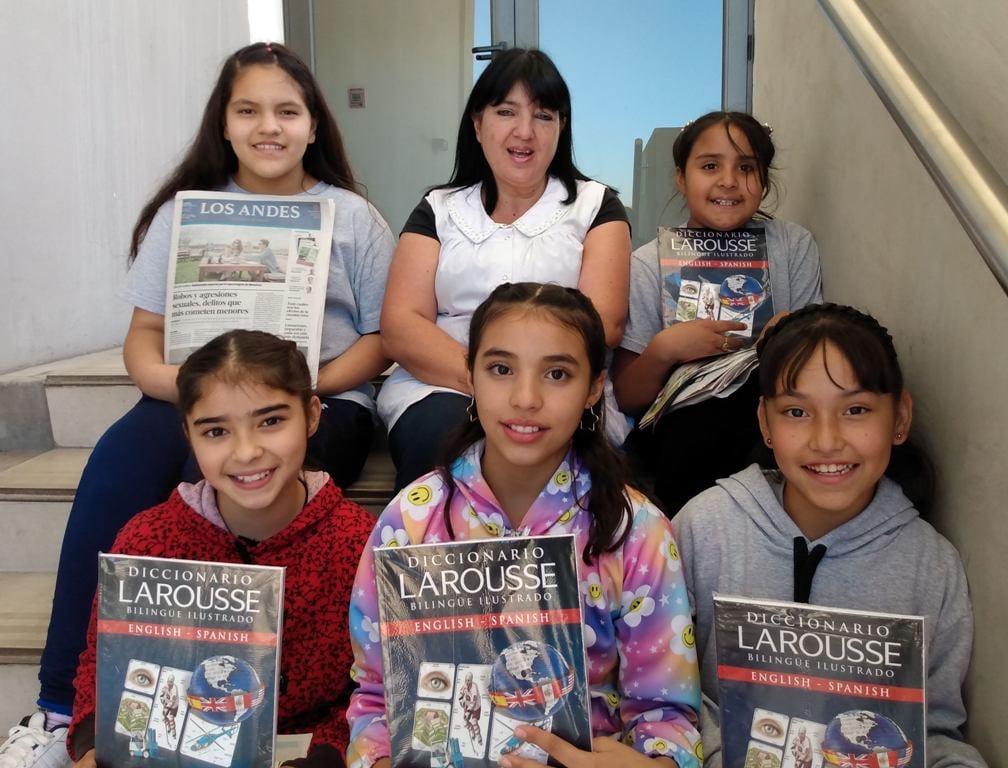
column 696, row 339
column 605, row 752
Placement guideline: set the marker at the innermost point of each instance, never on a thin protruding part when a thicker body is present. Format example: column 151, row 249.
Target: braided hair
column 786, row 347
column 606, row 500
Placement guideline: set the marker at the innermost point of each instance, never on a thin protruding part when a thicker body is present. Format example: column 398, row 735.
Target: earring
column 899, row 435
column 592, row 425
column 768, row 441
column 471, row 409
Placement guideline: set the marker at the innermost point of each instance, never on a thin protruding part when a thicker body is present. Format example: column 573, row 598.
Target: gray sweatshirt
column 736, row 539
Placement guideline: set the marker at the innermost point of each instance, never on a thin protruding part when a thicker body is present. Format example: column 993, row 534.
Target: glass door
column 637, row 72
column 397, row 75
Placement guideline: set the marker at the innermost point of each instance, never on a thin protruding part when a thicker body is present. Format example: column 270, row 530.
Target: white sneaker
column 30, row 744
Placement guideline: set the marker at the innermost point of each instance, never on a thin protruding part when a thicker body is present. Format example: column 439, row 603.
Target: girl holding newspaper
column 723, row 162
column 266, row 129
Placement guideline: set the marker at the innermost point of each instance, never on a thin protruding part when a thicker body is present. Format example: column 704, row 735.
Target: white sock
column 54, row 720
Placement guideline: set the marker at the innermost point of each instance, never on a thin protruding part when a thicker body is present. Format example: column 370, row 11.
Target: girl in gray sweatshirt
column 832, row 525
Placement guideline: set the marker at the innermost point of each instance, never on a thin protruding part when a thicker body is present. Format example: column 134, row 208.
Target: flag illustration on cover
column 805, row 686
column 186, row 662
column 477, row 638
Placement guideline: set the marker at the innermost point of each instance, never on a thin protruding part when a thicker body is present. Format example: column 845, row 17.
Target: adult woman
column 515, row 209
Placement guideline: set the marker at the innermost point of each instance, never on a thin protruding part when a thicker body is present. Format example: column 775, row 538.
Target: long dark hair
column 607, row 502
column 210, row 161
column 537, row 72
column 755, row 132
column 787, row 346
column 244, row 357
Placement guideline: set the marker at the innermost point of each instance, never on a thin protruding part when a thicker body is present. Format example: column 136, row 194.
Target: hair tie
column 269, row 47
column 768, row 128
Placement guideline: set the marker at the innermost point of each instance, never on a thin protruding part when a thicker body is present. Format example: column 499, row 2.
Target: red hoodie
column 320, row 550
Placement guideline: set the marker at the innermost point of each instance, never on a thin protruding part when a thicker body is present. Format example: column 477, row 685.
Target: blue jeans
column 688, row 449
column 134, row 466
column 417, row 439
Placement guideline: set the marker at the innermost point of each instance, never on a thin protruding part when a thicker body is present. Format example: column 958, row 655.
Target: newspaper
column 702, row 379
column 247, row 261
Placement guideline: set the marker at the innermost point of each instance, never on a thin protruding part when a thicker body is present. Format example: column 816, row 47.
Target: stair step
column 25, row 604
column 107, row 363
column 37, row 491
column 66, row 403
column 35, row 497
column 86, row 394
column 80, row 413
column 48, row 476
column 53, row 476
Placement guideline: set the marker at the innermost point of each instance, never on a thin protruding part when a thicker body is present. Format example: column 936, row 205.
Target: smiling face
column 269, row 127
column 832, row 440
column 250, row 443
column 721, row 181
column 532, row 381
column 519, row 139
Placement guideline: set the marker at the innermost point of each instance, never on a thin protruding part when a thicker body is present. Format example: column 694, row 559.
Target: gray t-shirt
column 362, row 249
column 795, row 280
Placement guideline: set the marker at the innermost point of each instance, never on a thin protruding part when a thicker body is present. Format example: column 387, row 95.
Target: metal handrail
column 973, row 189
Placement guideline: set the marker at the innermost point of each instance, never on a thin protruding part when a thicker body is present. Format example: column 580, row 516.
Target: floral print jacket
column 642, row 663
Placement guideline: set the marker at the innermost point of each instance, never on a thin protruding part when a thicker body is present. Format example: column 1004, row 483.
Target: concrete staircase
column 50, row 418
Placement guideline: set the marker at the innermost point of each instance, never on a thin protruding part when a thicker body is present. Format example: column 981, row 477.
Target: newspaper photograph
column 247, row 261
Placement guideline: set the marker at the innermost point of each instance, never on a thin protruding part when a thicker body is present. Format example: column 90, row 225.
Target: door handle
column 486, row 52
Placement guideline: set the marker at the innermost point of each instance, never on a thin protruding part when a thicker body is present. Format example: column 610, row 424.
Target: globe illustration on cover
column 741, row 293
column 225, row 690
column 863, row 738
column 530, row 680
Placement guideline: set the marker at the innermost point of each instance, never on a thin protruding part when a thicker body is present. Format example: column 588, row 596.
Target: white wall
column 890, row 245
column 99, row 98
column 414, row 63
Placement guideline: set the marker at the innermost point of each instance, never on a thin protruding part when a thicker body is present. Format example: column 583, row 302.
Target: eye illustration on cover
column 141, row 676
column 769, row 726
column 435, row 680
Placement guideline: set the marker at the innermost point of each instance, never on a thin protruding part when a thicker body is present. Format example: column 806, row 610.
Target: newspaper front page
column 247, row 261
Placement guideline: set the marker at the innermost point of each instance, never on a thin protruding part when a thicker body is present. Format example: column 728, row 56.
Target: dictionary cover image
column 711, row 275
column 805, row 686
column 477, row 638
column 714, row 275
column 187, row 660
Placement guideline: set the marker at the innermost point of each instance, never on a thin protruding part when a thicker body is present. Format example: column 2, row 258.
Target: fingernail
column 521, row 732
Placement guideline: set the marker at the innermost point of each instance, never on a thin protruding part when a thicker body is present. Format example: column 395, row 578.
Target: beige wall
column 99, row 99
column 414, row 63
column 890, row 245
